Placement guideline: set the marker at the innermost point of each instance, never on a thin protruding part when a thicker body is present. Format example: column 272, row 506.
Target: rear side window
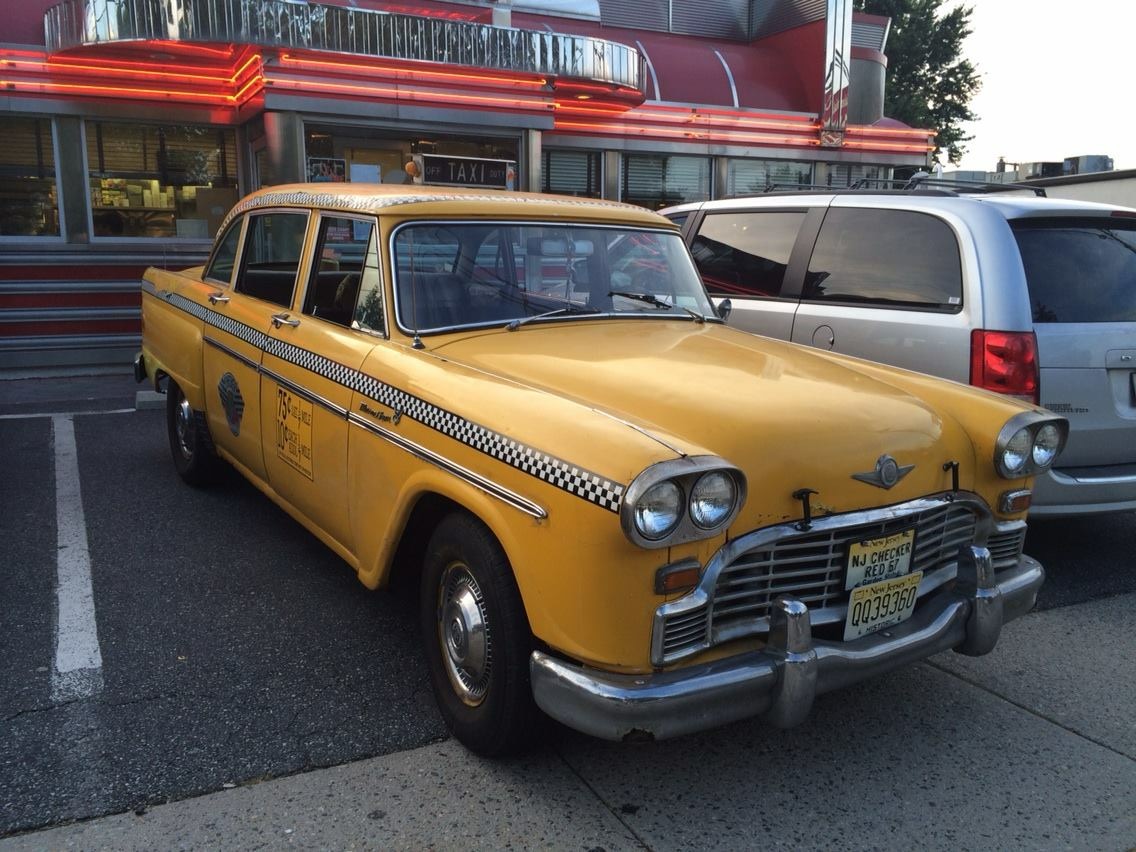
column 273, row 246
column 887, row 258
column 221, row 266
column 745, row 254
column 1079, row 270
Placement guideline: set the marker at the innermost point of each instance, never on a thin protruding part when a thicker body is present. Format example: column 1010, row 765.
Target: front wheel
column 477, row 638
column 190, row 443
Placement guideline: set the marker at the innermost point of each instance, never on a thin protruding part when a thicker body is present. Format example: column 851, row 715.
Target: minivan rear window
column 1079, row 270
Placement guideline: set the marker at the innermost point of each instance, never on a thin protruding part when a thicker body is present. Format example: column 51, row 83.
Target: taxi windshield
column 451, row 274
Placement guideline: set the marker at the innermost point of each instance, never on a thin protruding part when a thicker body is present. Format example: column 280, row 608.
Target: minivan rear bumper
column 1084, row 491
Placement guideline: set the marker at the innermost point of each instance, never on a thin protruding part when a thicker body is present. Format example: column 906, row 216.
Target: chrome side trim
column 244, row 359
column 323, row 402
column 477, row 480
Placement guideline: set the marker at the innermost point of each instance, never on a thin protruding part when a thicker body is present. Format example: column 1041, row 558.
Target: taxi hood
column 771, row 408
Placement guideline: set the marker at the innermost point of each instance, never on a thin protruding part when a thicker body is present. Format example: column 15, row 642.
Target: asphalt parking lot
column 253, row 695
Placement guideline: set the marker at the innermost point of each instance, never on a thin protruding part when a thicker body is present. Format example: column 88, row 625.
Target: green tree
column 929, row 83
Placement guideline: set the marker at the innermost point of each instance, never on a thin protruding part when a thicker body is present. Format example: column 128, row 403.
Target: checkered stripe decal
column 556, row 472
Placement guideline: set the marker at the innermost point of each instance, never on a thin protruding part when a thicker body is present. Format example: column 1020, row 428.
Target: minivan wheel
column 477, row 638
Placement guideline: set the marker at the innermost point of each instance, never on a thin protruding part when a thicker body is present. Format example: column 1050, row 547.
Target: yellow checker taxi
column 618, row 510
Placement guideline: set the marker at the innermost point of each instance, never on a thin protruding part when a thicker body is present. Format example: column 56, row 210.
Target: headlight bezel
column 1031, row 422
column 685, row 473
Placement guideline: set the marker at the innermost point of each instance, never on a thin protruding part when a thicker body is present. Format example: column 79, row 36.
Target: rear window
column 1079, row 270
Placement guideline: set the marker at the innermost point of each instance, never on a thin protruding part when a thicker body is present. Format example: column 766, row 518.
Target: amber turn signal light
column 1014, row 501
column 677, row 577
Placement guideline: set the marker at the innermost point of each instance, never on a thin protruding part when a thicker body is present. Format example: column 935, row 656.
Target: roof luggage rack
column 921, row 180
column 920, row 183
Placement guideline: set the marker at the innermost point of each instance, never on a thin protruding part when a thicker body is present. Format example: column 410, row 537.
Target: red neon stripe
column 71, row 327
column 24, row 301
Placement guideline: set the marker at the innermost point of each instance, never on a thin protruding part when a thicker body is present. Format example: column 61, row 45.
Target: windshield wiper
column 650, row 298
column 655, row 302
column 567, row 309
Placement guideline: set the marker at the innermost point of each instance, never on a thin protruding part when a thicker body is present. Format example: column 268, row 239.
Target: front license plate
column 879, row 558
column 879, row 605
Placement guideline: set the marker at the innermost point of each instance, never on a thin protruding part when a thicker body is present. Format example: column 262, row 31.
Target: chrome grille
column 1005, row 544
column 685, row 631
column 811, row 567
column 736, row 598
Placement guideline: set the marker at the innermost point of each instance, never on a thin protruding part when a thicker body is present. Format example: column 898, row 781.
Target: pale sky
column 1058, row 81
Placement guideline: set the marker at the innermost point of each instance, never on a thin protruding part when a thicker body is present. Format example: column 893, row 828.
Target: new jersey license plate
column 878, row 605
column 875, row 559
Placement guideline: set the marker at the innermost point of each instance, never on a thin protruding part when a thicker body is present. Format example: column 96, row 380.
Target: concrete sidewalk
column 1032, row 747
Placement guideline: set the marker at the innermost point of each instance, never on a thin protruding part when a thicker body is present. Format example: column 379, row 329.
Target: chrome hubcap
column 464, row 634
column 184, row 426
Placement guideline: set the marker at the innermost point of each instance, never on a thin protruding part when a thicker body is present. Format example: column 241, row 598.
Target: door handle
column 282, row 319
column 219, row 296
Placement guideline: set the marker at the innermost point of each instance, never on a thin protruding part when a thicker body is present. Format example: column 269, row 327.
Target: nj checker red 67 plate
column 884, row 589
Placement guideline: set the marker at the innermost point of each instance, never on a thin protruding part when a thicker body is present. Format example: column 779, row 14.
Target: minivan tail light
column 1005, row 362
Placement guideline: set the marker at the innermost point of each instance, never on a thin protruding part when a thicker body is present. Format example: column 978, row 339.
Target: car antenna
column 417, row 344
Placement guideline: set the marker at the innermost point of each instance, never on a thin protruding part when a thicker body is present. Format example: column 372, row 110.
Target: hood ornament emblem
column 887, row 473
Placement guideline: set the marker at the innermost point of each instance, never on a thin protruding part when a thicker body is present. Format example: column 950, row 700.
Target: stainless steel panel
column 838, row 71
column 279, row 23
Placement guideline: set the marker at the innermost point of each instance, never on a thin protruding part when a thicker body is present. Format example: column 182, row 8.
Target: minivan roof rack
column 920, row 183
column 858, row 188
column 922, row 180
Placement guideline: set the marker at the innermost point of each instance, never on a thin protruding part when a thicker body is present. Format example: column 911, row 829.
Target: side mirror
column 724, row 308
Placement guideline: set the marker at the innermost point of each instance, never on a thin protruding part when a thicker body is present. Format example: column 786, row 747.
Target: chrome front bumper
column 781, row 680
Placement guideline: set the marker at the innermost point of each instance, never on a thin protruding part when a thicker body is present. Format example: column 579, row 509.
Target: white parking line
column 78, row 670
column 54, row 414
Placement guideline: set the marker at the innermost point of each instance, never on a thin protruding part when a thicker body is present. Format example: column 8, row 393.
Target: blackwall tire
column 477, row 639
column 190, row 443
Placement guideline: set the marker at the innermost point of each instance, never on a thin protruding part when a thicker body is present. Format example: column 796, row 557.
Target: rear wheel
column 477, row 638
column 190, row 443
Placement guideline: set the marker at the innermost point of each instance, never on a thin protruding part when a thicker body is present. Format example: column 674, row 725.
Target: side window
column 225, row 256
column 370, row 315
column 341, row 252
column 745, row 254
column 886, row 258
column 273, row 247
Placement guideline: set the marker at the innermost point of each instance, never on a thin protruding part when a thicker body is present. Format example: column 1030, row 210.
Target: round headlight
column 1045, row 445
column 712, row 499
column 659, row 510
column 1017, row 451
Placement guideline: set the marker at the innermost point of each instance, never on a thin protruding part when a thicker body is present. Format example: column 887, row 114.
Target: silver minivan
column 1029, row 296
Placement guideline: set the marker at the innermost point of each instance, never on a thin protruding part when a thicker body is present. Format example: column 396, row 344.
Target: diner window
column 168, row 180
column 657, row 180
column 749, row 177
column 29, row 200
column 872, row 177
column 572, row 173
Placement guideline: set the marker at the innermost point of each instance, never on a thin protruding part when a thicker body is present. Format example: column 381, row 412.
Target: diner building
column 128, row 128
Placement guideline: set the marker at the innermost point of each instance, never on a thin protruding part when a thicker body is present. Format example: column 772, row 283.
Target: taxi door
column 306, row 376
column 235, row 333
